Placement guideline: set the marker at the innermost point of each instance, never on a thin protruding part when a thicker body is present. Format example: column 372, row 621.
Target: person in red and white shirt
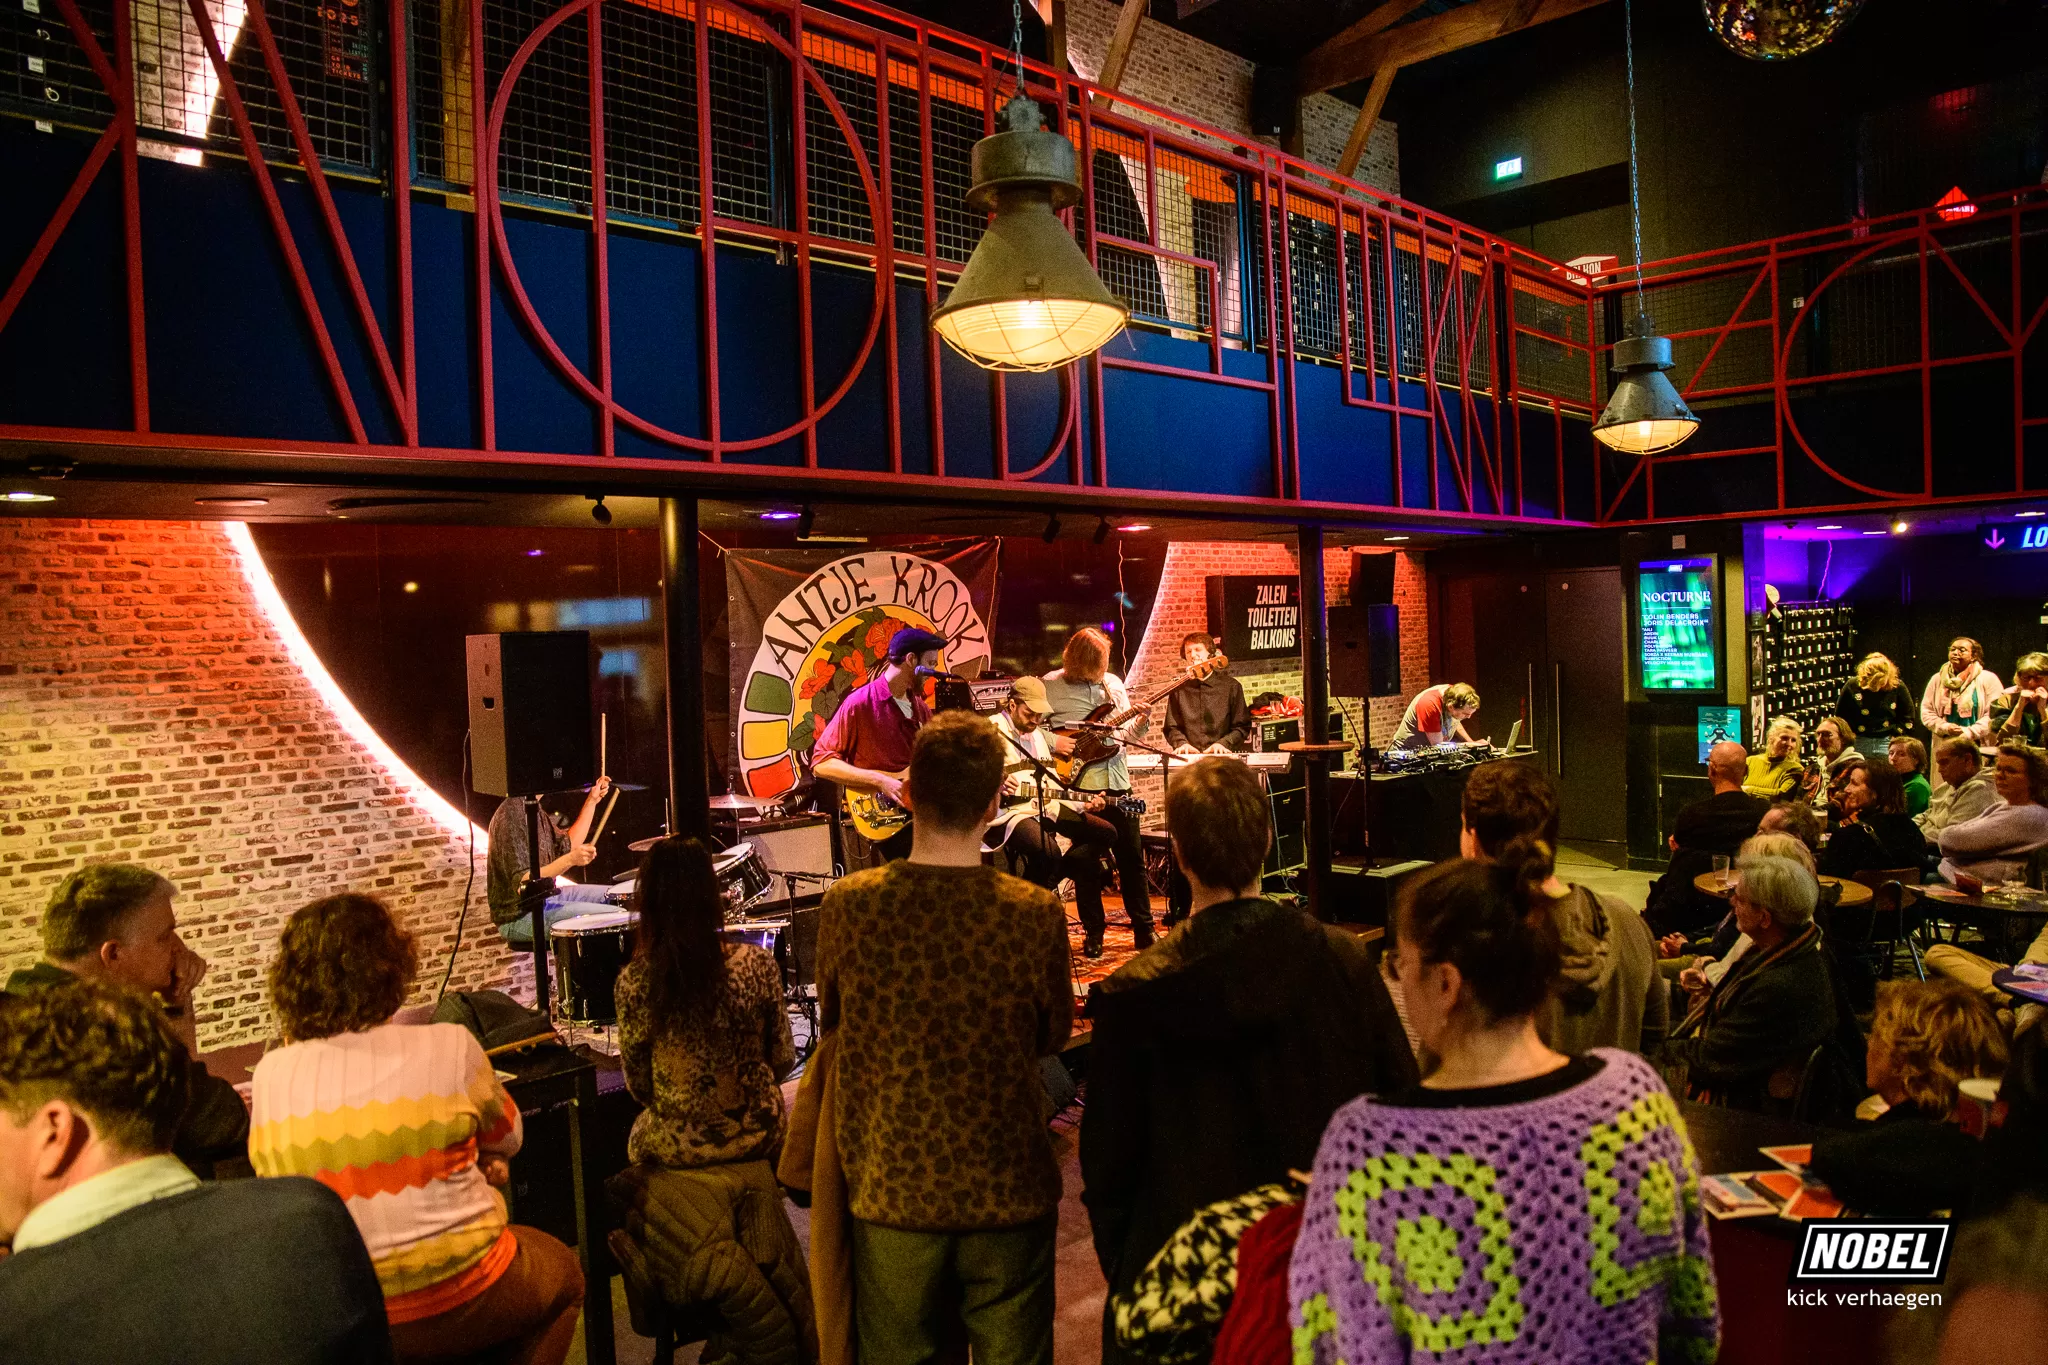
column 1437, row 714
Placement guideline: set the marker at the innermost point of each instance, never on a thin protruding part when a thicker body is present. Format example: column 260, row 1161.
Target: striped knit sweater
column 393, row 1120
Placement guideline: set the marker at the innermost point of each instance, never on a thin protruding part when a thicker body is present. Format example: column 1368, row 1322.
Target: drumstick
column 609, row 803
column 601, row 737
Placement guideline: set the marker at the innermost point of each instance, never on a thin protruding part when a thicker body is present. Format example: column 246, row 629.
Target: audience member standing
column 1607, row 992
column 1958, row 698
column 703, row 1035
column 1876, row 704
column 1715, row 824
column 407, row 1122
column 1220, row 1052
column 947, row 982
column 119, row 1252
column 1776, row 771
column 1746, row 1040
column 1994, row 846
column 114, row 922
column 1966, row 789
column 1482, row 1215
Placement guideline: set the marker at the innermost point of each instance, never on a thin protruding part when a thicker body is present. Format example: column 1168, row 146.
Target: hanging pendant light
column 1644, row 412
column 1028, row 299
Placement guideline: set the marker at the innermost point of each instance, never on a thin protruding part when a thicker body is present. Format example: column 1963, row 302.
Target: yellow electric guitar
column 874, row 815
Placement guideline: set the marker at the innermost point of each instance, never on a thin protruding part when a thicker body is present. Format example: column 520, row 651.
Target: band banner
column 807, row 627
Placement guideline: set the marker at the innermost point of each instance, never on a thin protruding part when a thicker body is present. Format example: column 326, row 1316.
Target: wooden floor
column 1117, row 949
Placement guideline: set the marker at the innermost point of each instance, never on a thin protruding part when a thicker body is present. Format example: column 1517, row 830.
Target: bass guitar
column 1094, row 739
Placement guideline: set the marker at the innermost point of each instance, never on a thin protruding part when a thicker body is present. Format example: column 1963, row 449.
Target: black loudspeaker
column 1273, row 99
column 1289, row 848
column 1383, row 648
column 1350, row 655
column 530, row 712
column 1372, row 578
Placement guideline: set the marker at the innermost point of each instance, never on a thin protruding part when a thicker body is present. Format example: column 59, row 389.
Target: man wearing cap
column 866, row 746
column 1047, row 831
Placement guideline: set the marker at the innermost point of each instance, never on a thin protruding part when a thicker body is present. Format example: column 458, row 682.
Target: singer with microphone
column 866, row 745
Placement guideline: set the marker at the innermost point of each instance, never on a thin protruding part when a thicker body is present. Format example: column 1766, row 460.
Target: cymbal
column 735, row 802
column 642, row 845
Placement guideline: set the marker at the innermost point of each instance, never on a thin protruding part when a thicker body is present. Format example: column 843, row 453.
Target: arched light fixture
column 1644, row 413
column 1028, row 299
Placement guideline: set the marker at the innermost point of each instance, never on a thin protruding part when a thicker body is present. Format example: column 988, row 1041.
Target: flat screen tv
column 1678, row 624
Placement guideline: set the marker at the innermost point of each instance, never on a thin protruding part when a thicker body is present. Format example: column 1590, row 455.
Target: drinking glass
column 1721, row 873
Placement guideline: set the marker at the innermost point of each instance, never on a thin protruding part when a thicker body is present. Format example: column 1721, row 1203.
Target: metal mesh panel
column 747, row 84
column 1543, row 366
column 428, row 96
column 1312, row 270
column 650, row 115
column 836, row 201
column 906, row 169
column 46, row 74
column 1708, row 305
column 956, row 228
column 1408, row 311
column 544, row 146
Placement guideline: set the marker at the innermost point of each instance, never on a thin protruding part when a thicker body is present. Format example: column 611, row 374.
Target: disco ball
column 1773, row 30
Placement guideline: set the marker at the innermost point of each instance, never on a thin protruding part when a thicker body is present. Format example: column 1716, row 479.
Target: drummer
column 560, row 850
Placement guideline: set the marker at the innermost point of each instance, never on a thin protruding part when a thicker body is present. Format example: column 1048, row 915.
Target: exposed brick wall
column 149, row 713
column 1182, row 605
column 1175, row 71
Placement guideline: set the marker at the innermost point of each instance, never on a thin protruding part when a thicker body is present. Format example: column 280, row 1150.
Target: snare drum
column 743, row 877
column 621, row 892
column 590, row 951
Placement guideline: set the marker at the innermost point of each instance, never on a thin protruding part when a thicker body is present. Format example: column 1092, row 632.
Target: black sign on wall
column 1256, row 616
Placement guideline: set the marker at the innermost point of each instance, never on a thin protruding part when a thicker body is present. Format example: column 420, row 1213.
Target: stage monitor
column 1678, row 624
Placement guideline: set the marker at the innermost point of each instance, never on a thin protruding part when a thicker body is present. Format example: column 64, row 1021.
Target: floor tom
column 589, row 952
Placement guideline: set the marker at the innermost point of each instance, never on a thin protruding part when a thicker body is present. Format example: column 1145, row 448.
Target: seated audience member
column 114, row 922
column 2020, row 715
column 408, row 1123
column 1974, row 972
column 1966, row 789
column 1776, row 771
column 947, row 981
column 1455, row 1192
column 1698, row 975
column 1925, row 1038
column 1714, row 824
column 1994, row 846
column 119, row 1252
column 1745, row 1042
column 1876, row 833
column 1607, row 993
column 1959, row 697
column 1877, row 704
column 703, row 1035
column 1908, row 758
column 561, row 851
column 1993, row 1308
column 1220, row 1052
column 1836, row 741
column 1058, row 837
column 1797, row 819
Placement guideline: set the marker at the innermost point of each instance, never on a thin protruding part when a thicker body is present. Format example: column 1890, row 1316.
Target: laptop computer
column 1514, row 739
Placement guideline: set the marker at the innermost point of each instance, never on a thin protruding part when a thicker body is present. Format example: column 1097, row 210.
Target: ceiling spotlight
column 780, row 514
column 1874, row 533
column 1052, row 528
column 232, row 502
column 24, row 496
column 1900, row 528
column 534, row 554
column 1135, row 526
column 1101, row 530
column 1830, row 527
column 803, row 522
column 411, row 586
column 1393, row 537
column 2031, row 514
column 599, row 513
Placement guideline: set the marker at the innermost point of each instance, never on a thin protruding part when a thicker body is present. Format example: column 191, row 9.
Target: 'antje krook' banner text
column 807, row 628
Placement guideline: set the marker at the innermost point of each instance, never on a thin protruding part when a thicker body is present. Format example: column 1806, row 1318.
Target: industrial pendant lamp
column 1644, row 412
column 1028, row 299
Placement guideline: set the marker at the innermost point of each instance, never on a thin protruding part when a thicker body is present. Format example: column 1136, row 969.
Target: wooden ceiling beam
column 1345, row 59
column 1375, row 100
column 1119, row 55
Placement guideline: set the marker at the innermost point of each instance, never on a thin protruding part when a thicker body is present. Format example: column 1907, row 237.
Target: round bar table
column 1853, row 893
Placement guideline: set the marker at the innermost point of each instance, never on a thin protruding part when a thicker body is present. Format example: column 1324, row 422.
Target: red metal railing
column 1880, row 314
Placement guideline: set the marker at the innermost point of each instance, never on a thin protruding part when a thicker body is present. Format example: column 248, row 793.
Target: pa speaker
column 1383, row 649
column 1273, row 99
column 529, row 712
column 1350, row 653
column 1372, row 578
column 1289, row 848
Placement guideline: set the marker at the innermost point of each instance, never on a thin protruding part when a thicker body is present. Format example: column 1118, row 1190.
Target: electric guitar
column 872, row 814
column 1093, row 745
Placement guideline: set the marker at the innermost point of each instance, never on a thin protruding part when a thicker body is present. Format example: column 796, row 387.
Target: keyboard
column 1141, row 761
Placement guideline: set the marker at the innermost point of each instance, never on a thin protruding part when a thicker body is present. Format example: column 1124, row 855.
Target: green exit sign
column 1511, row 169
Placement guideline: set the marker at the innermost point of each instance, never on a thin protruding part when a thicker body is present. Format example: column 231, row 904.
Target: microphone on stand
column 926, row 671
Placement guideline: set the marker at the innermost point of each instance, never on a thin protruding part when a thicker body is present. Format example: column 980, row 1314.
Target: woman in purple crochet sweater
column 1518, row 1205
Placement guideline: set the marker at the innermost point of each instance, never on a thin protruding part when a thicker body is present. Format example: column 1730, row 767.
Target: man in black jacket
column 113, row 922
column 1220, row 1052
column 118, row 1252
column 1716, row 824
